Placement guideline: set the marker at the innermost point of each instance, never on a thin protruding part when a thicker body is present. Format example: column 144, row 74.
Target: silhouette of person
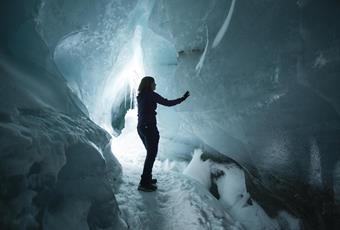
column 147, row 101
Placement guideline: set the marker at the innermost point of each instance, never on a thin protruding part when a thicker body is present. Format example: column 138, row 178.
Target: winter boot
column 147, row 187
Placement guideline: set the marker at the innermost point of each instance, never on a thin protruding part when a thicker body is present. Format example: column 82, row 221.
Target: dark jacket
column 147, row 105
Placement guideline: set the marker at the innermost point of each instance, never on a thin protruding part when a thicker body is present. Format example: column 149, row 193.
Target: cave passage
column 255, row 146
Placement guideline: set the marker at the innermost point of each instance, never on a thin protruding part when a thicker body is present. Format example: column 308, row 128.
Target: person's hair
column 146, row 84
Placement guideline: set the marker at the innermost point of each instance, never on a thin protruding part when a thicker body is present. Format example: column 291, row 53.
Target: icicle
column 200, row 63
column 131, row 97
column 225, row 26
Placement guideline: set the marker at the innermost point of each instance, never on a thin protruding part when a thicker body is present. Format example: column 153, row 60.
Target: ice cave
column 256, row 145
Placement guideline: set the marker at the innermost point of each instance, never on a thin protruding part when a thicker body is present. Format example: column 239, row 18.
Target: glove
column 186, row 95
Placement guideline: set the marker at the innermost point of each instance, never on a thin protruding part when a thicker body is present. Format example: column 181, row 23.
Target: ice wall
column 56, row 167
column 86, row 38
column 262, row 76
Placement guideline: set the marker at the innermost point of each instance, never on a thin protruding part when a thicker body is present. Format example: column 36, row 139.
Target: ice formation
column 225, row 25
column 264, row 112
column 233, row 195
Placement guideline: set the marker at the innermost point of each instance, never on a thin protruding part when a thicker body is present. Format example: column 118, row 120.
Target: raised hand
column 186, row 95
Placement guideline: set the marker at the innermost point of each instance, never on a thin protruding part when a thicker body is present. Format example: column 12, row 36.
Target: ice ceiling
column 263, row 77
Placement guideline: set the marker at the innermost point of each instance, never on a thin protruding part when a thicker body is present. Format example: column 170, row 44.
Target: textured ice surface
column 233, row 195
column 86, row 39
column 199, row 170
column 225, row 25
column 266, row 95
column 56, row 164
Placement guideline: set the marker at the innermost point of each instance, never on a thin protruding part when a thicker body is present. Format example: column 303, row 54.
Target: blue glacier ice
column 264, row 110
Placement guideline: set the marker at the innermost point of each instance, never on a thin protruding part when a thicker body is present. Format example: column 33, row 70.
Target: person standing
column 147, row 100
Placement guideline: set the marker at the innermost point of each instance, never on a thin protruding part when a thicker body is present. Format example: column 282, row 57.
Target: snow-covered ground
column 179, row 202
column 183, row 200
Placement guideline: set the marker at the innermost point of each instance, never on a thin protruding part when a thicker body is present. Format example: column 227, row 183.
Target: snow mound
column 55, row 169
column 233, row 195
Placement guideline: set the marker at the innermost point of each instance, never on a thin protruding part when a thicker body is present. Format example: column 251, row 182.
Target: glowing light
column 128, row 147
column 122, row 83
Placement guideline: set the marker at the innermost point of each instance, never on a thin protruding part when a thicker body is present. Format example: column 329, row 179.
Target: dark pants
column 150, row 136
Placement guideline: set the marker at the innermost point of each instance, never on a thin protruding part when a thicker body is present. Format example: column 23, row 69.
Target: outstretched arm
column 163, row 101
